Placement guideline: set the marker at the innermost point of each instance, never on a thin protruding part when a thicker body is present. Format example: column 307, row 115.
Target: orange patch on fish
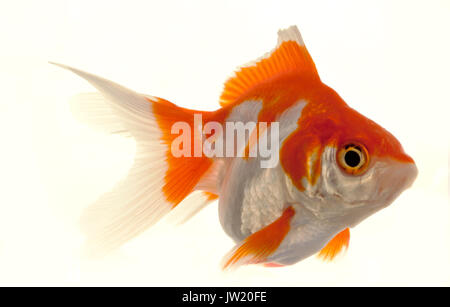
column 183, row 173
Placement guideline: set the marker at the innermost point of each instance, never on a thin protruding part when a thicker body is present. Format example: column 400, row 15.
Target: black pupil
column 352, row 158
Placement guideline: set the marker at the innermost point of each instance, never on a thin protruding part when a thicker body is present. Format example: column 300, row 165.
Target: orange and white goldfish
column 332, row 169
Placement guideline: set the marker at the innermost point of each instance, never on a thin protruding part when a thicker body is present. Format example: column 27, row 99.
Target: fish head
column 343, row 165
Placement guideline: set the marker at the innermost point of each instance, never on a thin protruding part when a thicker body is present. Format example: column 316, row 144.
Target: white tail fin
column 156, row 182
column 137, row 201
column 94, row 110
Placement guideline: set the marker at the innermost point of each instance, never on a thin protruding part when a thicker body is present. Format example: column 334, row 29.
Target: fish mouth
column 398, row 176
column 412, row 172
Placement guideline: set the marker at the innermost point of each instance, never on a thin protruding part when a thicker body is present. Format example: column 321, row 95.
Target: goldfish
column 328, row 167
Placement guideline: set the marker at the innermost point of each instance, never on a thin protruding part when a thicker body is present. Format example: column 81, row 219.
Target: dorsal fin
column 289, row 57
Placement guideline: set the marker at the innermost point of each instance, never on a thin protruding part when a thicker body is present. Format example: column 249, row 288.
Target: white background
column 387, row 59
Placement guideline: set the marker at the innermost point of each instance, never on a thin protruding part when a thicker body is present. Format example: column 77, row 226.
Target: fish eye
column 353, row 158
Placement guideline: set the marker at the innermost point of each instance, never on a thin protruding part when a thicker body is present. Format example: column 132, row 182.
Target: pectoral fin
column 257, row 247
column 334, row 247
